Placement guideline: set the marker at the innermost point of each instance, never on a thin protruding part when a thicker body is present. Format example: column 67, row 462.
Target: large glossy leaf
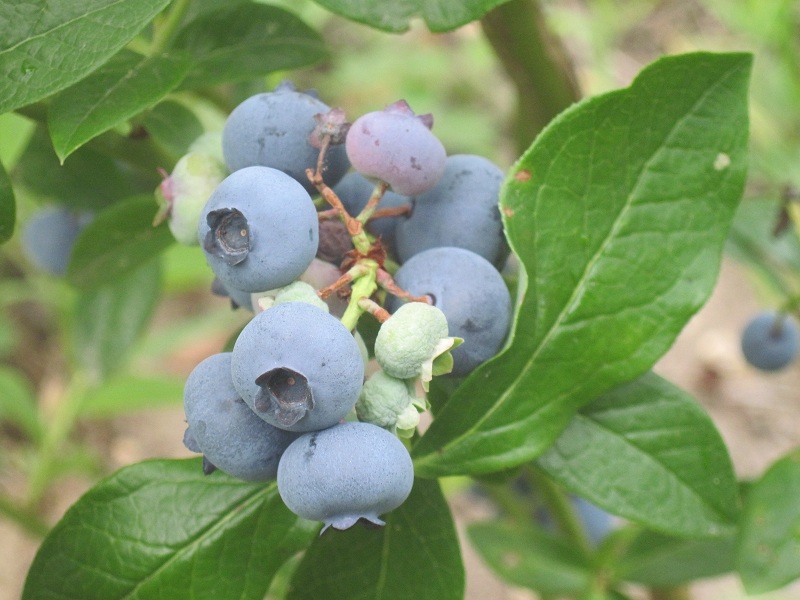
column 415, row 555
column 109, row 319
column 116, row 242
column 648, row 452
column 659, row 560
column 529, row 557
column 618, row 213
column 161, row 530
column 8, row 207
column 768, row 553
column 122, row 88
column 245, row 41
column 439, row 15
column 46, row 46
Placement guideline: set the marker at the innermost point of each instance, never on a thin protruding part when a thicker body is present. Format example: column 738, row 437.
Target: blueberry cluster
column 312, row 223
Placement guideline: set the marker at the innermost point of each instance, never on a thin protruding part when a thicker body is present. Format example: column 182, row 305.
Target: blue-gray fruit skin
column 259, row 230
column 354, row 190
column 50, row 234
column 770, row 341
column 225, row 429
column 272, row 129
column 345, row 473
column 298, row 367
column 460, row 210
column 469, row 291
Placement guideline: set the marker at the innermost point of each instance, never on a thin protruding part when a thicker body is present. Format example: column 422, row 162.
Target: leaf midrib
column 616, row 226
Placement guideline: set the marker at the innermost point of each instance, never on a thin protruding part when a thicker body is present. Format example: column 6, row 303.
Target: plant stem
column 167, row 28
column 560, row 508
column 537, row 63
column 59, row 428
column 27, row 520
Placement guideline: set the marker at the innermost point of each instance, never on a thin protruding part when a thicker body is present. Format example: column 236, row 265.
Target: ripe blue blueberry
column 259, row 230
column 298, row 367
column 348, row 472
column 222, row 427
column 469, row 291
column 770, row 341
column 354, row 190
column 50, row 234
column 460, row 210
column 272, row 129
column 397, row 146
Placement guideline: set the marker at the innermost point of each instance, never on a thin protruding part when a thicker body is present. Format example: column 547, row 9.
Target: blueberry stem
column 167, row 27
column 372, row 203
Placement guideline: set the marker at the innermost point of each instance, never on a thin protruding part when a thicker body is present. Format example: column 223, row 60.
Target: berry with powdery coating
column 348, row 472
column 460, row 210
column 770, row 341
column 272, row 129
column 396, row 146
column 259, row 230
column 469, row 291
column 298, row 367
column 222, row 427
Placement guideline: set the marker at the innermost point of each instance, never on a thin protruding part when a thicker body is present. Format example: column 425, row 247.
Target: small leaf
column 128, row 393
column 161, row 529
column 116, row 242
column 173, row 126
column 618, row 213
column 648, row 452
column 439, row 15
column 46, row 46
column 87, row 179
column 415, row 555
column 8, row 207
column 122, row 88
column 659, row 560
column 245, row 41
column 109, row 319
column 18, row 403
column 768, row 553
column 529, row 557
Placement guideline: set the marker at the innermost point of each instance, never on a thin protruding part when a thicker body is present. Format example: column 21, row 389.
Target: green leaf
column 46, row 46
column 173, row 126
column 618, row 213
column 8, row 207
column 415, row 555
column 18, row 403
column 109, row 319
column 127, row 393
column 122, row 88
column 439, row 15
column 88, row 179
column 160, row 529
column 648, row 452
column 529, row 557
column 768, row 553
column 659, row 560
column 245, row 41
column 116, row 242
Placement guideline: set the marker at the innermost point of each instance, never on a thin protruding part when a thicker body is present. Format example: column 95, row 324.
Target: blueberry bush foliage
column 615, row 215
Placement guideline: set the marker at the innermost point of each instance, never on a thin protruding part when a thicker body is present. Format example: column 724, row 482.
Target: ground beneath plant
column 757, row 414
